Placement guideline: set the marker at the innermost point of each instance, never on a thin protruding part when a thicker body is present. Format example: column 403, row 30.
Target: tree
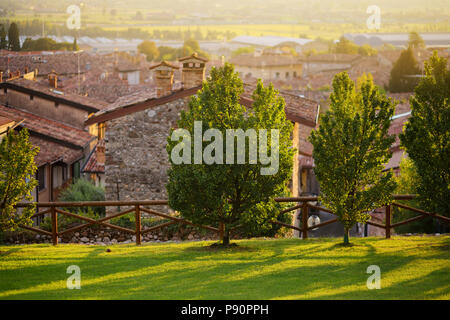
column 402, row 74
column 367, row 50
column 351, row 147
column 75, row 45
column 407, row 183
column 149, row 49
column 3, row 42
column 13, row 37
column 415, row 41
column 426, row 136
column 345, row 46
column 237, row 194
column 17, row 171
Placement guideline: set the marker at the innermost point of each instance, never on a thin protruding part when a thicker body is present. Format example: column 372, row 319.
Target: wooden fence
column 54, row 208
column 304, row 204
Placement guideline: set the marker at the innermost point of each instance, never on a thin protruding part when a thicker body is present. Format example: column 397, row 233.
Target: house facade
column 136, row 160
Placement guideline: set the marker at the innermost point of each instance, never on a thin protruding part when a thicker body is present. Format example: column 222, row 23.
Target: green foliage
column 150, row 49
column 17, row 182
column 65, row 222
column 47, row 44
column 407, row 183
column 367, row 51
column 232, row 194
column 189, row 47
column 345, row 46
column 351, row 147
column 242, row 50
column 13, row 37
column 3, row 41
column 415, row 40
column 84, row 190
column 405, row 67
column 426, row 136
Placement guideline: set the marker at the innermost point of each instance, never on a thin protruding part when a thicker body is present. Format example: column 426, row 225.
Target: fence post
column 305, row 220
column 388, row 221
column 138, row 224
column 54, row 217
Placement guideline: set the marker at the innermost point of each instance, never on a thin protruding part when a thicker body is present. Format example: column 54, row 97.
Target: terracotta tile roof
column 56, row 131
column 298, row 109
column 93, row 165
column 165, row 64
column 5, row 120
column 45, row 91
column 193, row 56
column 50, row 152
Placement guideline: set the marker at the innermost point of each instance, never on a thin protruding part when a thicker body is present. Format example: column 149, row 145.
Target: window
column 277, row 75
column 56, row 104
column 287, row 75
column 41, row 178
column 76, row 170
column 295, row 74
column 31, row 97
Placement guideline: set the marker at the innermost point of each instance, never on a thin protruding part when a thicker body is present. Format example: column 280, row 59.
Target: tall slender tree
column 351, row 147
column 403, row 72
column 13, row 37
column 426, row 136
column 3, row 41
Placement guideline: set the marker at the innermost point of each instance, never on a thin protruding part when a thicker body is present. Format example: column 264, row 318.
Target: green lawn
column 411, row 268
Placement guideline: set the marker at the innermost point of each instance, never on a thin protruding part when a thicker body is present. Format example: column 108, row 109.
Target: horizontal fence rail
column 138, row 207
column 54, row 208
column 304, row 204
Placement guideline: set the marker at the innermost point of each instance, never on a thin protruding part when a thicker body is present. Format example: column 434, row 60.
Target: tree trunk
column 346, row 235
column 226, row 237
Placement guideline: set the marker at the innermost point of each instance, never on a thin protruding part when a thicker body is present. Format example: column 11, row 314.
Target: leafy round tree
column 150, row 49
column 17, row 170
column 351, row 147
column 426, row 136
column 230, row 188
column 3, row 41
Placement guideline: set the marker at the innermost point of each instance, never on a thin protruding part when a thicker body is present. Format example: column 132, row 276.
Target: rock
column 84, row 239
column 114, row 241
column 77, row 234
column 106, row 239
column 133, row 238
column 190, row 237
column 38, row 236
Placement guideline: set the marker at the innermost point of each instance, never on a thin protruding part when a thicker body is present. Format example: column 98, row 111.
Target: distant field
column 411, row 268
column 124, row 20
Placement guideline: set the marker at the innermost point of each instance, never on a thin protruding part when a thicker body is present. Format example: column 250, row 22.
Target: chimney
column 193, row 72
column 53, row 80
column 163, row 78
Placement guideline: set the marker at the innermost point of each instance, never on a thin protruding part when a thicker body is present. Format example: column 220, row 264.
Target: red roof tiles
column 54, row 130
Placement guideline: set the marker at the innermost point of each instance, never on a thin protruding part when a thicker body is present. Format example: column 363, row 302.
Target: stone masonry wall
column 136, row 161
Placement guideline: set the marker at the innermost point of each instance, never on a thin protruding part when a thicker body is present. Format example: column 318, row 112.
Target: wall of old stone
column 136, row 160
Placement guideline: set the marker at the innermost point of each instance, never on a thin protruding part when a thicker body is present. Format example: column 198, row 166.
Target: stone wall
column 136, row 160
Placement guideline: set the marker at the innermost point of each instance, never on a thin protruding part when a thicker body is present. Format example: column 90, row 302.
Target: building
column 137, row 128
column 55, row 120
column 62, row 150
column 269, row 67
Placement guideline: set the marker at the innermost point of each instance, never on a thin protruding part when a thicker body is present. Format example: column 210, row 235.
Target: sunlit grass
column 411, row 268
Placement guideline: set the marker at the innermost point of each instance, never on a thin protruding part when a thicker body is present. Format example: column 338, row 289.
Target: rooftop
column 49, row 129
column 45, row 91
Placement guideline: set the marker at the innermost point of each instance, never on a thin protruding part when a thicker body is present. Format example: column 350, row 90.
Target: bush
column 84, row 190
